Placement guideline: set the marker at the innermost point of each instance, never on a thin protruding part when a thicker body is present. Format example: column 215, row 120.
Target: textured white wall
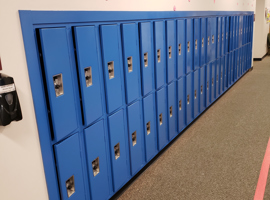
column 21, row 168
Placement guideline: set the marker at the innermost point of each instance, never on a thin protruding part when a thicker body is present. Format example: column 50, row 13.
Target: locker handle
column 207, row 85
column 179, row 49
column 160, row 119
column 88, row 76
column 58, row 85
column 129, row 62
column 145, row 56
column 218, row 38
column 170, row 51
column 188, row 46
column 148, row 129
column 111, row 69
column 134, row 138
column 171, row 111
column 217, row 78
column 95, row 166
column 222, row 36
column 202, row 42
column 212, row 81
column 213, row 39
column 180, row 105
column 117, row 151
column 196, row 44
column 188, row 99
column 208, row 40
column 201, row 89
column 221, row 75
column 195, row 94
column 159, row 55
column 70, row 186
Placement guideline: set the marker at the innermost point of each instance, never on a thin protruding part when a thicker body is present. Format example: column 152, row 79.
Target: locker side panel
column 181, row 42
column 189, row 98
column 171, row 50
column 181, row 90
column 171, row 110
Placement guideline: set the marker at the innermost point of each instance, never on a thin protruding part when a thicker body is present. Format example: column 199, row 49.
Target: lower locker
column 150, row 134
column 225, row 72
column 119, row 149
column 161, row 117
column 69, row 168
column 97, row 161
column 221, row 69
column 232, row 67
column 213, row 81
column 202, row 88
column 229, row 69
column 189, row 98
column 235, row 65
column 171, row 110
column 196, row 93
column 135, row 134
column 208, row 84
column 217, row 77
column 181, row 97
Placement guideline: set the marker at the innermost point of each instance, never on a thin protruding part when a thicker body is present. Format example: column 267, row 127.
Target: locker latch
column 217, row 78
column 160, row 119
column 171, row 111
column 221, row 75
column 207, row 85
column 202, row 42
column 158, row 55
column 208, row 40
column 187, row 99
column 148, row 128
column 58, row 85
column 134, row 138
column 226, row 36
column 70, row 186
column 222, row 36
column 145, row 57
column 170, row 51
column 111, row 69
column 88, row 76
column 195, row 94
column 218, row 37
column 129, row 62
column 117, row 151
column 196, row 44
column 180, row 105
column 95, row 166
column 213, row 39
column 201, row 89
column 212, row 81
column 188, row 46
column 179, row 49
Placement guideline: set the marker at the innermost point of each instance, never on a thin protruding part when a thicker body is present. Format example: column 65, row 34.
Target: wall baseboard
column 260, row 59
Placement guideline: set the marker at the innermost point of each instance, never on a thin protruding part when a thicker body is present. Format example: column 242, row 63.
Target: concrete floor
column 220, row 155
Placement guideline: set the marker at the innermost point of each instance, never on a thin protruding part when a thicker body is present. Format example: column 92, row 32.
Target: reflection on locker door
column 189, row 47
column 208, row 84
column 119, row 149
column 112, row 66
column 189, row 98
column 69, row 168
column 147, row 62
column 219, row 39
column 171, row 50
column 181, row 90
column 131, row 61
column 203, row 41
column 202, row 88
column 150, row 134
column 136, row 142
column 197, row 46
column 59, row 80
column 160, row 53
column 217, row 77
column 213, row 81
column 196, row 93
column 97, row 161
column 221, row 69
column 171, row 110
column 161, row 117
column 89, row 69
column 181, row 46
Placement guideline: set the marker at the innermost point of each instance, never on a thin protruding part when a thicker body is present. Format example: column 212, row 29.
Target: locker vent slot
column 188, row 46
column 179, row 49
column 88, row 76
column 58, row 85
column 201, row 89
column 145, row 57
column 129, row 62
column 160, row 119
column 195, row 94
column 117, row 151
column 170, row 51
column 196, row 44
column 180, row 105
column 158, row 55
column 207, row 85
column 111, row 69
column 171, row 111
column 70, row 185
column 202, row 42
column 134, row 138
column 212, row 81
column 188, row 99
column 208, row 40
column 148, row 129
column 213, row 39
column 95, row 166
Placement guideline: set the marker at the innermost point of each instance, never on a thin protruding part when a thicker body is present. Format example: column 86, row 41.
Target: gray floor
column 220, row 155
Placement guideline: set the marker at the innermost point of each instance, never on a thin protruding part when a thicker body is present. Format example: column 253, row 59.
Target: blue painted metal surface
column 172, row 110
column 181, row 46
column 202, row 88
column 189, row 98
column 219, row 36
column 208, row 84
column 189, row 45
column 196, row 93
column 181, row 99
column 221, row 70
column 203, row 41
column 213, row 82
column 217, row 77
column 197, row 43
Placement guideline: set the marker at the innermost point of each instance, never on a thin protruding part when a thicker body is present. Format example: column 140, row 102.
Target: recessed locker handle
column 88, row 76
column 159, row 55
column 213, row 39
column 145, row 55
column 188, row 99
column 201, row 89
column 217, row 78
column 129, row 62
column 160, row 119
column 202, row 42
column 195, row 94
column 134, row 138
column 170, row 51
column 95, row 166
column 212, row 81
column 180, row 105
column 148, row 128
column 179, row 49
column 171, row 111
column 208, row 40
column 196, row 44
column 111, row 69
column 58, row 85
column 70, row 186
column 222, row 36
column 188, row 46
column 117, row 151
column 207, row 85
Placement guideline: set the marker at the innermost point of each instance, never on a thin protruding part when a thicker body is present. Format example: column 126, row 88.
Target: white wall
column 21, row 167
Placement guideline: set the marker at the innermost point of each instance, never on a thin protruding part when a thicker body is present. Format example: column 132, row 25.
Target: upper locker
column 203, row 41
column 197, row 46
column 223, row 35
column 189, row 48
column 227, row 34
column 59, row 80
column 171, row 50
column 181, row 46
column 211, row 38
column 240, row 31
column 219, row 37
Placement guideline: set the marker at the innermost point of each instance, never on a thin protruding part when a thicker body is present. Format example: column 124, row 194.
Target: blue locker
column 171, row 110
column 202, row 88
column 69, row 168
column 208, row 84
column 196, row 93
column 58, row 74
column 232, row 67
column 240, row 31
column 217, row 77
column 181, row 42
column 171, row 50
column 213, row 82
column 236, row 64
column 161, row 117
column 119, row 149
column 97, row 161
column 197, row 41
column 135, row 132
column 150, row 126
column 130, row 41
column 89, row 72
column 227, row 33
column 236, row 31
column 215, row 38
column 211, row 38
column 203, row 41
column 221, row 69
column 181, row 96
column 160, row 55
column 229, row 69
column 225, row 71
column 244, row 30
column 189, row 96
column 219, row 37
column 189, row 47
column 112, row 66
column 231, row 33
column 223, row 35
column 147, row 61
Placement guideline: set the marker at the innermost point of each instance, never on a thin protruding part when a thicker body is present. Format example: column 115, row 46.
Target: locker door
column 209, row 37
column 135, row 132
column 203, row 41
column 189, row 47
column 196, row 93
column 197, row 49
column 147, row 62
column 223, row 35
column 244, row 29
column 217, row 77
column 229, row 69
column 213, row 82
column 240, row 31
column 202, row 88
column 237, row 64
column 214, row 38
column 208, row 84
column 227, row 39
column 131, row 61
column 232, row 67
column 69, row 168
column 119, row 149
column 181, row 42
column 236, row 31
column 59, row 80
column 171, row 110
column 231, row 33
column 112, row 66
column 160, row 58
column 181, row 90
column 171, row 50
column 189, row 98
column 161, row 117
column 226, row 72
column 89, row 72
column 150, row 126
column 97, row 161
column 219, row 39
column 221, row 69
